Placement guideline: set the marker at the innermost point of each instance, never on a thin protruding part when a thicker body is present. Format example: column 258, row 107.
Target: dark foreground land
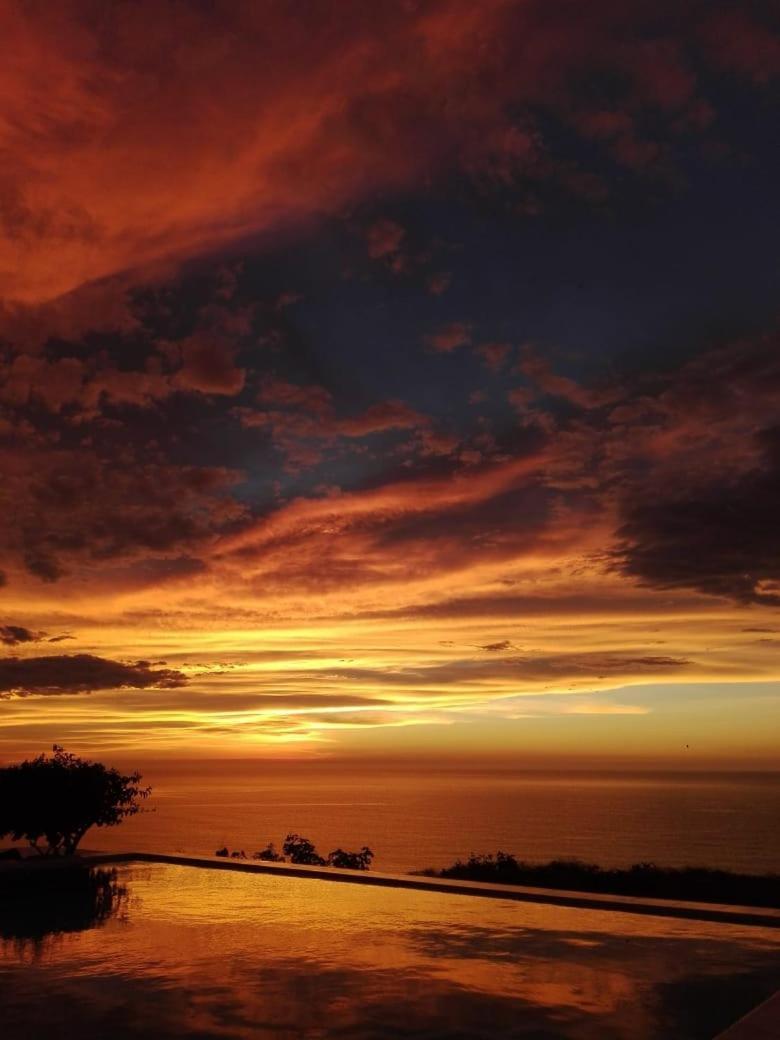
column 698, row 884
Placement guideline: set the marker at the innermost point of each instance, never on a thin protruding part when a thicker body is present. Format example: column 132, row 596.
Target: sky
column 391, row 381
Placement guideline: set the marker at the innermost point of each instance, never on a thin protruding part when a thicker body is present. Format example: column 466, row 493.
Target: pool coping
column 764, row 917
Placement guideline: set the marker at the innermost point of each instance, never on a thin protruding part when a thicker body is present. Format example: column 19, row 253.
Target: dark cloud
column 209, row 367
column 528, row 668
column 73, row 507
column 79, row 673
column 499, row 647
column 494, row 354
column 721, row 539
column 42, row 564
column 744, row 38
column 449, row 337
column 384, row 239
column 703, row 515
column 539, row 371
column 499, row 524
column 13, row 634
column 528, row 605
column 381, row 103
column 304, row 424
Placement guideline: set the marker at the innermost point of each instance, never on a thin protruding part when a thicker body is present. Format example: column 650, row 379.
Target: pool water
column 151, row 950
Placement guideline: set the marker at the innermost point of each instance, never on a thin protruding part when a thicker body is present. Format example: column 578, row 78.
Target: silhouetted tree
column 351, row 860
column 269, row 854
column 301, row 850
column 53, row 800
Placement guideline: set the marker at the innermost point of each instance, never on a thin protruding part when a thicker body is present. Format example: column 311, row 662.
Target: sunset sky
column 391, row 379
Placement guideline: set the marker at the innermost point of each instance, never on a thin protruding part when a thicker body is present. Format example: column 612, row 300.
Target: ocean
column 416, row 819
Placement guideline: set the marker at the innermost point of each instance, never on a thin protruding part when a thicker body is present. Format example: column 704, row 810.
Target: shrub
column 642, row 879
column 301, row 850
column 351, row 860
column 269, row 854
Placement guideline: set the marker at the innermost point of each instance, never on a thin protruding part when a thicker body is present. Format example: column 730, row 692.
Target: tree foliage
column 351, row 860
column 269, row 854
column 701, row 884
column 52, row 801
column 301, row 850
column 296, row 849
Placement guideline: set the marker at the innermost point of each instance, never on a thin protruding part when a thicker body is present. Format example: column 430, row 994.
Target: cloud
column 378, row 418
column 384, row 239
column 79, row 673
column 533, row 604
column 102, row 306
column 420, row 526
column 494, row 354
column 720, row 539
column 76, row 508
column 538, row 370
column 278, row 393
column 529, row 668
column 208, row 366
column 203, row 147
column 303, row 421
column 132, row 378
column 699, row 513
column 449, row 337
column 740, row 40
column 439, row 283
column 13, row 634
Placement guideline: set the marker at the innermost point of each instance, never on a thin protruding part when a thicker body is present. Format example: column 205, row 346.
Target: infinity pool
column 150, row 950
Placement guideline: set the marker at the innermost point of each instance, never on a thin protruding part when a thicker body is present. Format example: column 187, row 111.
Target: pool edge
column 714, row 912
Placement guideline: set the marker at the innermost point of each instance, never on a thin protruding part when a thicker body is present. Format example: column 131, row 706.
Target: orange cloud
column 137, row 133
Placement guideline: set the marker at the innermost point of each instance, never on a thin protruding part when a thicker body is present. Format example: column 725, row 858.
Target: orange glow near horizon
column 569, row 684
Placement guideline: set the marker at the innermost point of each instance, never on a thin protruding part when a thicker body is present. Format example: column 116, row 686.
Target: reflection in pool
column 180, row 952
column 35, row 907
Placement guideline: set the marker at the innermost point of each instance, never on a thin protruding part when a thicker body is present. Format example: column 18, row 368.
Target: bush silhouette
column 351, row 860
column 53, row 800
column 701, row 884
column 269, row 854
column 301, row 850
